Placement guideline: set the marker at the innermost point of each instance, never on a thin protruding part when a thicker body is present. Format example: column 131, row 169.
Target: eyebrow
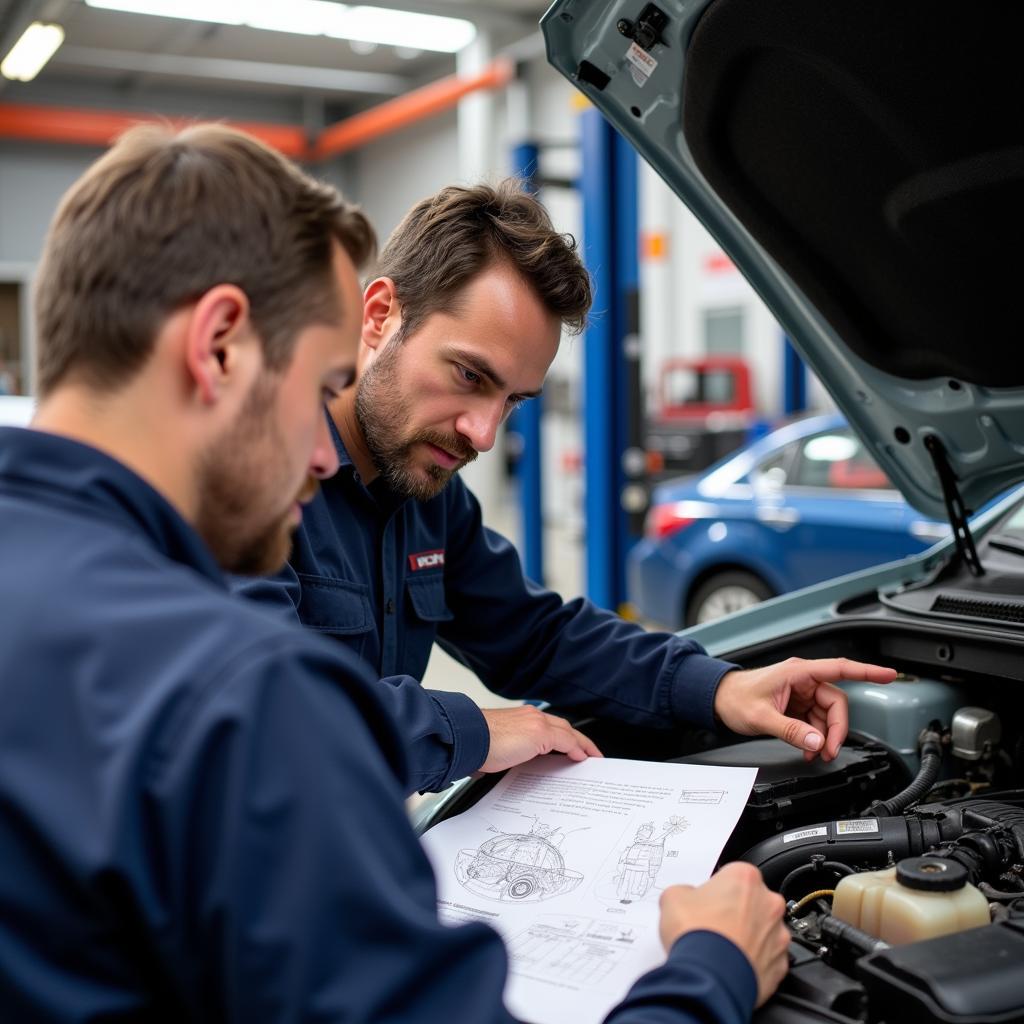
column 480, row 365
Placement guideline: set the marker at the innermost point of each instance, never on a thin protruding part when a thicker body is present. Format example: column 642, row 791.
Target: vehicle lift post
column 526, row 420
column 614, row 461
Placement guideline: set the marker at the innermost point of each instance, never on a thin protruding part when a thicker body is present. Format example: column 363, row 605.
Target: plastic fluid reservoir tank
column 920, row 898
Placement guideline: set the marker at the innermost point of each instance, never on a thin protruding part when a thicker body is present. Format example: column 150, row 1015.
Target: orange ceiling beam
column 100, row 128
column 404, row 110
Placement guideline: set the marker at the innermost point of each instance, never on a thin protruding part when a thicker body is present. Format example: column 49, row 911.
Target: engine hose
column 817, row 863
column 931, row 762
column 861, row 843
column 843, row 932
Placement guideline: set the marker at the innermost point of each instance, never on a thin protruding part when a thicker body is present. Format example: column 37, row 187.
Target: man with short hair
column 201, row 804
column 460, row 325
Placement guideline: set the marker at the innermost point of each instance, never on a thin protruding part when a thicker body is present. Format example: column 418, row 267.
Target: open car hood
column 862, row 164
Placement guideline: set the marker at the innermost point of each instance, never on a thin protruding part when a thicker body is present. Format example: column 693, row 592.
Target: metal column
column 609, row 190
column 526, row 420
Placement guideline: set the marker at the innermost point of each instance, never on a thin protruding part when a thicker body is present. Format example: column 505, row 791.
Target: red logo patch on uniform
column 426, row 560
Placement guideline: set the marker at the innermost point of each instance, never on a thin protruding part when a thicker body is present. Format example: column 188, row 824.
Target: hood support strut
column 955, row 511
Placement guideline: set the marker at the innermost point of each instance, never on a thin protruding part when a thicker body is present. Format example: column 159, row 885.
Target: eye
column 468, row 375
column 514, row 401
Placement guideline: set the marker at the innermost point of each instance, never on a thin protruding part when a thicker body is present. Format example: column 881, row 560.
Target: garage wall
column 390, row 175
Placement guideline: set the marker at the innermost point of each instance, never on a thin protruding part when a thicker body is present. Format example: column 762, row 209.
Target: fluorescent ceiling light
column 37, row 45
column 315, row 18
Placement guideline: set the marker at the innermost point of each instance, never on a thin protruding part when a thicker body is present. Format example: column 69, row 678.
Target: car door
column 833, row 510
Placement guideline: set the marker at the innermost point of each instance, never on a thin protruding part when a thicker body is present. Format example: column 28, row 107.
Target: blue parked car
column 804, row 504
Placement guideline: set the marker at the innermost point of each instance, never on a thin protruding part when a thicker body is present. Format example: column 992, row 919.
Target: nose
column 324, row 462
column 479, row 425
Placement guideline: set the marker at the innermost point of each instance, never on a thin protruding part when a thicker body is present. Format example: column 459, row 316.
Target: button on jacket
column 200, row 805
column 387, row 577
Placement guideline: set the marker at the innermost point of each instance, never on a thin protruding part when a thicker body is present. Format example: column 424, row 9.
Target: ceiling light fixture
column 28, row 56
column 381, row 25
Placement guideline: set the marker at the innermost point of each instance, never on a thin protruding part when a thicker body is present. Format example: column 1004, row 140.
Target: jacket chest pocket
column 426, row 610
column 336, row 607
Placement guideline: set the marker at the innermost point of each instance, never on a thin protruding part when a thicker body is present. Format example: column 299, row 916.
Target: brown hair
column 163, row 217
column 445, row 241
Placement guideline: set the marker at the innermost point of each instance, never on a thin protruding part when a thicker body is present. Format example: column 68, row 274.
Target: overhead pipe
column 415, row 106
column 88, row 127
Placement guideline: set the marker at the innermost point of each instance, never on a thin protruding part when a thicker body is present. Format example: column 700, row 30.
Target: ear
column 217, row 329
column 382, row 312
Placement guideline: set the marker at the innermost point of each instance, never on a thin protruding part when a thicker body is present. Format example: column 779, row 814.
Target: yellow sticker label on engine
column 856, row 825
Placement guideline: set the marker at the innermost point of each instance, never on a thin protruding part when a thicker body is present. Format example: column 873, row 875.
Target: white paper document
column 567, row 861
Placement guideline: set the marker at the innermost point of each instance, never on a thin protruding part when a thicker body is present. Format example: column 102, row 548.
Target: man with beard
column 202, row 815
column 459, row 326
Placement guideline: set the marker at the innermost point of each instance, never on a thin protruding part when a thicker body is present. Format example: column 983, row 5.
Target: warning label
column 643, row 64
column 856, row 826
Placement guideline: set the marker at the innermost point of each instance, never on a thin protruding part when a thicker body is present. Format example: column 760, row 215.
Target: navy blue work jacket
column 201, row 809
column 387, row 577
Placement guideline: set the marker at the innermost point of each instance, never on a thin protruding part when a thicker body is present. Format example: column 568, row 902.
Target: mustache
column 308, row 491
column 451, row 443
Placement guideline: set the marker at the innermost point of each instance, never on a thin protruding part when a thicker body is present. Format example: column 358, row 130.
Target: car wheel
column 522, row 888
column 724, row 593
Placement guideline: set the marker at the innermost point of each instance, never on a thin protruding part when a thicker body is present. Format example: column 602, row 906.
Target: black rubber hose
column 817, row 864
column 854, row 937
column 931, row 762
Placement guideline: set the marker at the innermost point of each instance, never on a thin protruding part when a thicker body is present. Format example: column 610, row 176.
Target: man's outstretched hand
column 795, row 701
column 521, row 734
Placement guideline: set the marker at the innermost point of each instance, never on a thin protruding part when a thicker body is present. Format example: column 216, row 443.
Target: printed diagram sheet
column 567, row 861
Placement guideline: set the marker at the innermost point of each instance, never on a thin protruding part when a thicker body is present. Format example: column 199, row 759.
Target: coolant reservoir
column 920, row 898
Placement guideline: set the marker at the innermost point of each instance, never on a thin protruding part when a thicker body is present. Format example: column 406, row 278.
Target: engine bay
column 929, row 782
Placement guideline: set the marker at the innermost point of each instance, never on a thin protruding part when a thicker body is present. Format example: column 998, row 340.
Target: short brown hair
column 163, row 217
column 446, row 240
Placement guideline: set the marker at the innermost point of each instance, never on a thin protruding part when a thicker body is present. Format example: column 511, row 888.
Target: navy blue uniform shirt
column 200, row 805
column 387, row 577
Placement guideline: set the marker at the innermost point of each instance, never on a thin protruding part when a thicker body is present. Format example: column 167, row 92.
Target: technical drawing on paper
column 569, row 949
column 518, row 868
column 702, row 796
column 640, row 861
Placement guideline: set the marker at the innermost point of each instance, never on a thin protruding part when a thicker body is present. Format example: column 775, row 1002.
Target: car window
column 837, row 459
column 774, row 471
column 687, row 386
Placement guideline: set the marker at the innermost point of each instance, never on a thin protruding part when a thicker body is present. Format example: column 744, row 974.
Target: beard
column 382, row 413
column 237, row 489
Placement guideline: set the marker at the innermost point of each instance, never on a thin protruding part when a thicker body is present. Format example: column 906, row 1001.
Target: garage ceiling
column 138, row 53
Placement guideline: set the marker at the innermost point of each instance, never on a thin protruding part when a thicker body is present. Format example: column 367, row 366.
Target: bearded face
column 384, row 411
column 247, row 489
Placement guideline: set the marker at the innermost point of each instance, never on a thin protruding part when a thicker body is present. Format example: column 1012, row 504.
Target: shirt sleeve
column 446, row 734
column 447, row 737
column 524, row 641
column 705, row 980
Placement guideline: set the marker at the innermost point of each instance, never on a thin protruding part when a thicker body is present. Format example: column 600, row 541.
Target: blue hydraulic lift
column 613, row 403
column 612, row 396
column 525, row 421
